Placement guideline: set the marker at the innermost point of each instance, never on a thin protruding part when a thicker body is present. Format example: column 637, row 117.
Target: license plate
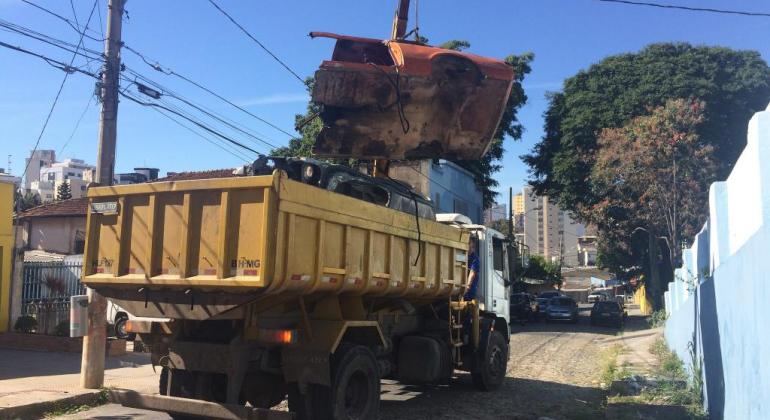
column 605, row 314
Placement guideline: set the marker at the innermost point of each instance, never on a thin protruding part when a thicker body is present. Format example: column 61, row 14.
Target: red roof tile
column 188, row 176
column 71, row 207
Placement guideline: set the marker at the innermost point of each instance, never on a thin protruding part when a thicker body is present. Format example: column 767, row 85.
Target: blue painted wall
column 453, row 190
column 720, row 299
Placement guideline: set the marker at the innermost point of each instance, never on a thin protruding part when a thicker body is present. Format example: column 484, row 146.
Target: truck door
column 495, row 268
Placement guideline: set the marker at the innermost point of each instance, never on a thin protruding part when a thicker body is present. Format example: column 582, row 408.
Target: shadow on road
column 634, row 322
column 517, row 399
column 25, row 363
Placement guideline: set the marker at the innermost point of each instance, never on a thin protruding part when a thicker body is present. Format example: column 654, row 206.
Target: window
column 51, row 176
column 70, row 174
column 461, row 207
column 497, row 254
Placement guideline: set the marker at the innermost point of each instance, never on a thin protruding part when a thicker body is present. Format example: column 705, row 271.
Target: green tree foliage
column 308, row 126
column 733, row 85
column 654, row 172
column 25, row 201
column 540, row 269
column 63, row 191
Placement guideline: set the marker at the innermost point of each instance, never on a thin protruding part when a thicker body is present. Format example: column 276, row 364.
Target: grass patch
column 672, row 384
column 609, row 364
column 68, row 409
column 657, row 318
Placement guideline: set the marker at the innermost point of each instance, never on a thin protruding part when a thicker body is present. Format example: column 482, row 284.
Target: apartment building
column 549, row 231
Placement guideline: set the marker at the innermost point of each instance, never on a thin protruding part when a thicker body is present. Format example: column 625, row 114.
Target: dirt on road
column 553, row 372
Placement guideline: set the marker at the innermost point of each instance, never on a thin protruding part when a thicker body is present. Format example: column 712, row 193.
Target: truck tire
column 489, row 372
column 120, row 328
column 175, row 391
column 263, row 390
column 354, row 394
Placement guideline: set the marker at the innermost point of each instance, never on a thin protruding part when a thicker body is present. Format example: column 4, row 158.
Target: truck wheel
column 263, row 390
column 120, row 329
column 490, row 371
column 175, row 392
column 355, row 390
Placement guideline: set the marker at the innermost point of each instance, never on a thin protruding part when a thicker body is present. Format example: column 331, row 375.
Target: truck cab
column 495, row 278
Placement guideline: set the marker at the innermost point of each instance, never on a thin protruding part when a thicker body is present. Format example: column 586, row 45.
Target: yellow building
column 518, row 204
column 6, row 251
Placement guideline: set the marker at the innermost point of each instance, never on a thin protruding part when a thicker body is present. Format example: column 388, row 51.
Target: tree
column 63, row 191
column 308, row 125
column 653, row 174
column 483, row 170
column 733, row 84
column 25, row 201
column 540, row 269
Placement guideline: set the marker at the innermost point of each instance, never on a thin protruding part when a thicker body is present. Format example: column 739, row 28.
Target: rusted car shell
column 401, row 100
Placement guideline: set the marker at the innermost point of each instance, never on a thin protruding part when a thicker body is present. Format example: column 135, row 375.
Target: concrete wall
column 6, row 251
column 55, row 234
column 718, row 301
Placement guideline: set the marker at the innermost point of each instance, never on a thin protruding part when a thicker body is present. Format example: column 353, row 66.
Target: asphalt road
column 553, row 372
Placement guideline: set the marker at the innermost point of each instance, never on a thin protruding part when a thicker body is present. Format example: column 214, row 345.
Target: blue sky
column 192, row 38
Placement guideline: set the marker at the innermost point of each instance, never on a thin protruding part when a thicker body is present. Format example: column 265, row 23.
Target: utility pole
column 400, row 20
column 92, row 363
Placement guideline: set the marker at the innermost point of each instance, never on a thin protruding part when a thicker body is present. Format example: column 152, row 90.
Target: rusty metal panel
column 429, row 102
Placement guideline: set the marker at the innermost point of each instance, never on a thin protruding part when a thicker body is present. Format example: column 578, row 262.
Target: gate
column 46, row 291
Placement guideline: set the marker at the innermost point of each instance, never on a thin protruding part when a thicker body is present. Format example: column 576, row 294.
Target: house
column 58, row 226
column 452, row 188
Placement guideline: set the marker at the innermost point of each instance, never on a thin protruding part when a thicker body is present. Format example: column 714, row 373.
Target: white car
column 597, row 297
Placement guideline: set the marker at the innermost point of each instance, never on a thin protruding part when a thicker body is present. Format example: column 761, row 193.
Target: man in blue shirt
column 473, row 270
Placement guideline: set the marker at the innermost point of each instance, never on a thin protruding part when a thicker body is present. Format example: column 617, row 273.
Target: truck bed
column 263, row 235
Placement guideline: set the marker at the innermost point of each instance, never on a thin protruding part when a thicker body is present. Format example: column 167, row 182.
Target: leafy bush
column 62, row 329
column 25, row 324
column 657, row 319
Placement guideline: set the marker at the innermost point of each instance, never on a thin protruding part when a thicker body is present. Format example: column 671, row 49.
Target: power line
column 214, row 143
column 167, row 92
column 201, row 125
column 77, row 124
column 58, row 93
column 258, row 43
column 190, row 116
column 58, row 43
column 63, row 19
column 158, row 67
column 67, row 68
column 687, row 8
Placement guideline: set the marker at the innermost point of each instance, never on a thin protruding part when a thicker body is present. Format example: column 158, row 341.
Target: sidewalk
column 31, row 380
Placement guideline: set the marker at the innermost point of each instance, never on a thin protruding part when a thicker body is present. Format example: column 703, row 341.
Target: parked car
column 562, row 308
column 598, row 297
column 541, row 302
column 522, row 307
column 607, row 312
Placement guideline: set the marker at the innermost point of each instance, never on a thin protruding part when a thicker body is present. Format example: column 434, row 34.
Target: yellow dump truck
column 273, row 287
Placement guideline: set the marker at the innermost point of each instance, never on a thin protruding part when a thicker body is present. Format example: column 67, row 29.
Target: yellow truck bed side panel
column 266, row 233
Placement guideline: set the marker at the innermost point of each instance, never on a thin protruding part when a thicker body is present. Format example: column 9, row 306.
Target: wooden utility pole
column 94, row 343
column 399, row 21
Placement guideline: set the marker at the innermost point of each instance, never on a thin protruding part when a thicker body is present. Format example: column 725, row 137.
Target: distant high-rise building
column 496, row 212
column 549, row 231
column 37, row 160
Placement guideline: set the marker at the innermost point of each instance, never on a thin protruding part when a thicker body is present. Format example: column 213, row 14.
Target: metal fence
column 46, row 291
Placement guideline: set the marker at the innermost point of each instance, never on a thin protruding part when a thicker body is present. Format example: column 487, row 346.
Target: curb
column 37, row 409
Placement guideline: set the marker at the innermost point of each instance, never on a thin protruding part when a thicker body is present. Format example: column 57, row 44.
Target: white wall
column 55, row 234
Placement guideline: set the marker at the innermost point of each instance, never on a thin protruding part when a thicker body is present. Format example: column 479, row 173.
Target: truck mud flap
column 198, row 408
